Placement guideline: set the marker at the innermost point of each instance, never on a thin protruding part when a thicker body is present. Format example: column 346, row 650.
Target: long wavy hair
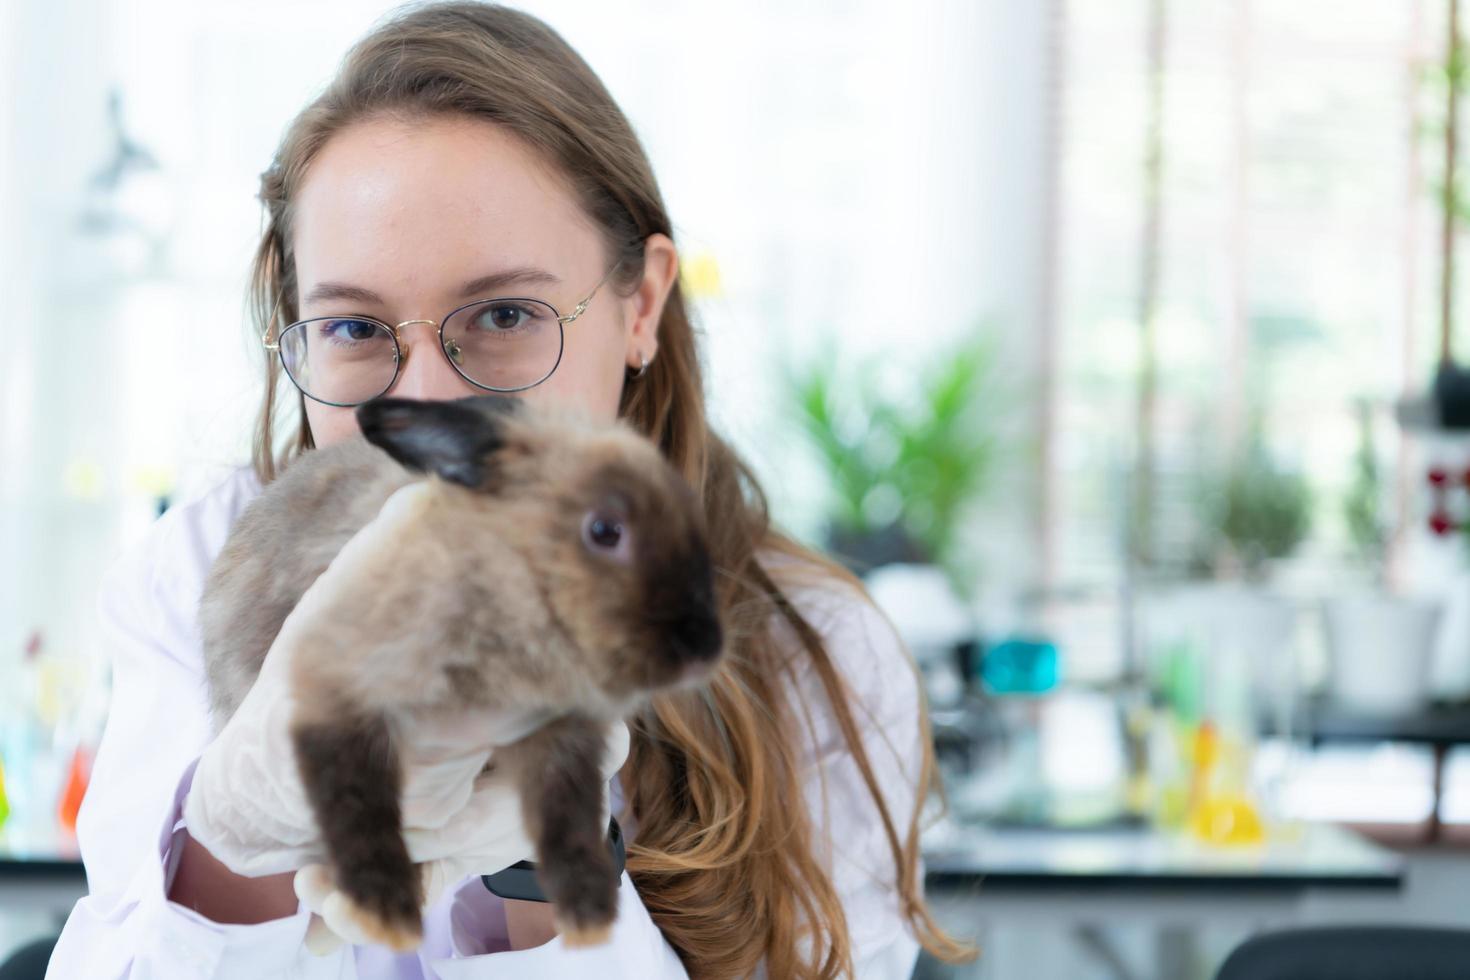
column 724, row 858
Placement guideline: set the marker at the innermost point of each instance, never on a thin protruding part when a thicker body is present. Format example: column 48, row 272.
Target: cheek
column 330, row 424
column 590, row 375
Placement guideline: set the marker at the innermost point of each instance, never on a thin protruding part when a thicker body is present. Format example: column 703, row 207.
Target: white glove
column 484, row 836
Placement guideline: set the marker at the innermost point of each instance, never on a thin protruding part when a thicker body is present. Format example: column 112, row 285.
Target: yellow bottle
column 1220, row 812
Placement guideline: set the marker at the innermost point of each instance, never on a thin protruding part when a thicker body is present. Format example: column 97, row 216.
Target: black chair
column 1352, row 953
column 29, row 962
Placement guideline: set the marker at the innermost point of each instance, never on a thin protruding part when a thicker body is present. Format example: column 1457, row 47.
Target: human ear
column 646, row 304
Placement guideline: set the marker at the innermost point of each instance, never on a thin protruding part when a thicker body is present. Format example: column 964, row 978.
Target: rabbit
column 550, row 566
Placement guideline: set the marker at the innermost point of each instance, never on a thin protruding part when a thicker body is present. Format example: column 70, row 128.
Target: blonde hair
column 723, row 859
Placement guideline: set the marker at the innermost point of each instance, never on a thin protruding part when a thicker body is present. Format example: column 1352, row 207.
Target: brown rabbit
column 549, row 567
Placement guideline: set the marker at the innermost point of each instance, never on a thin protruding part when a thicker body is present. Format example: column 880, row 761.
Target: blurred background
column 1113, row 343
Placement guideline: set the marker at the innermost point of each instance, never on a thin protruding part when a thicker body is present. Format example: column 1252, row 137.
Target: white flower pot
column 1381, row 649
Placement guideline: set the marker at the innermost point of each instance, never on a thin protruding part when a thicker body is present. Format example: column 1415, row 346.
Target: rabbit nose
column 698, row 629
column 699, row 637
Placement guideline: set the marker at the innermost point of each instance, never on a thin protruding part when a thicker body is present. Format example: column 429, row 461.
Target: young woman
column 463, row 155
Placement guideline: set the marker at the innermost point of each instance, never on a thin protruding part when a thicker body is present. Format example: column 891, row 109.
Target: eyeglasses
column 504, row 345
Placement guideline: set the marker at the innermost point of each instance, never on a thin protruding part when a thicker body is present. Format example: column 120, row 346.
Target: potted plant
column 902, row 471
column 1255, row 513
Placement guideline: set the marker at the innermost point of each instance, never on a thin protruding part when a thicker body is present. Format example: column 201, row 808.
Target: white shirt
column 159, row 724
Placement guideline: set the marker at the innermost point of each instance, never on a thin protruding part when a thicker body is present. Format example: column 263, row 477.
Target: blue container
column 1021, row 666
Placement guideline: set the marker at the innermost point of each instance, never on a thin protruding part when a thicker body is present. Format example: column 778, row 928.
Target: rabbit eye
column 604, row 533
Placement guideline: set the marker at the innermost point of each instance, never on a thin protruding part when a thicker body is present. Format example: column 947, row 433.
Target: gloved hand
column 484, row 836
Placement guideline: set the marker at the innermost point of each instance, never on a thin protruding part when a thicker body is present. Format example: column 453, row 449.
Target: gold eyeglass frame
column 401, row 348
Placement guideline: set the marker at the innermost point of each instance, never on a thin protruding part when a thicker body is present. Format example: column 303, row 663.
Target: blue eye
column 349, row 330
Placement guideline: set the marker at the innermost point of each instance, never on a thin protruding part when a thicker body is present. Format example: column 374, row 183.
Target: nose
column 425, row 372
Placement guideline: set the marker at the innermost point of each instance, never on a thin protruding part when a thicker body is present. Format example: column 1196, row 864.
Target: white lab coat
column 159, row 724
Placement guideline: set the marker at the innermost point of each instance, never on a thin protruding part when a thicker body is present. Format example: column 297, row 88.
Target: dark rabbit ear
column 452, row 439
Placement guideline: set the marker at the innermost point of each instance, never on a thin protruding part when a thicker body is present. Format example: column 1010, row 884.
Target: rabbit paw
column 396, row 925
column 339, row 918
column 585, row 916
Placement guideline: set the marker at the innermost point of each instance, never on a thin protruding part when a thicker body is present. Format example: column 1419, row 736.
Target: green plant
column 904, row 467
column 1361, row 509
column 1259, row 512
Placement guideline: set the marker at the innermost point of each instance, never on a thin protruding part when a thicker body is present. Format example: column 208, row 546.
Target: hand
column 483, row 836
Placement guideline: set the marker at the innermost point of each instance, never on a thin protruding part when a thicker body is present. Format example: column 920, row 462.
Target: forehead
column 413, row 209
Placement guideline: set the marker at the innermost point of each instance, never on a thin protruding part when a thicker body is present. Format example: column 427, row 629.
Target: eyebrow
column 525, row 275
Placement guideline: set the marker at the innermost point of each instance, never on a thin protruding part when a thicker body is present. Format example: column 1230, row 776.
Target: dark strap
column 519, row 880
